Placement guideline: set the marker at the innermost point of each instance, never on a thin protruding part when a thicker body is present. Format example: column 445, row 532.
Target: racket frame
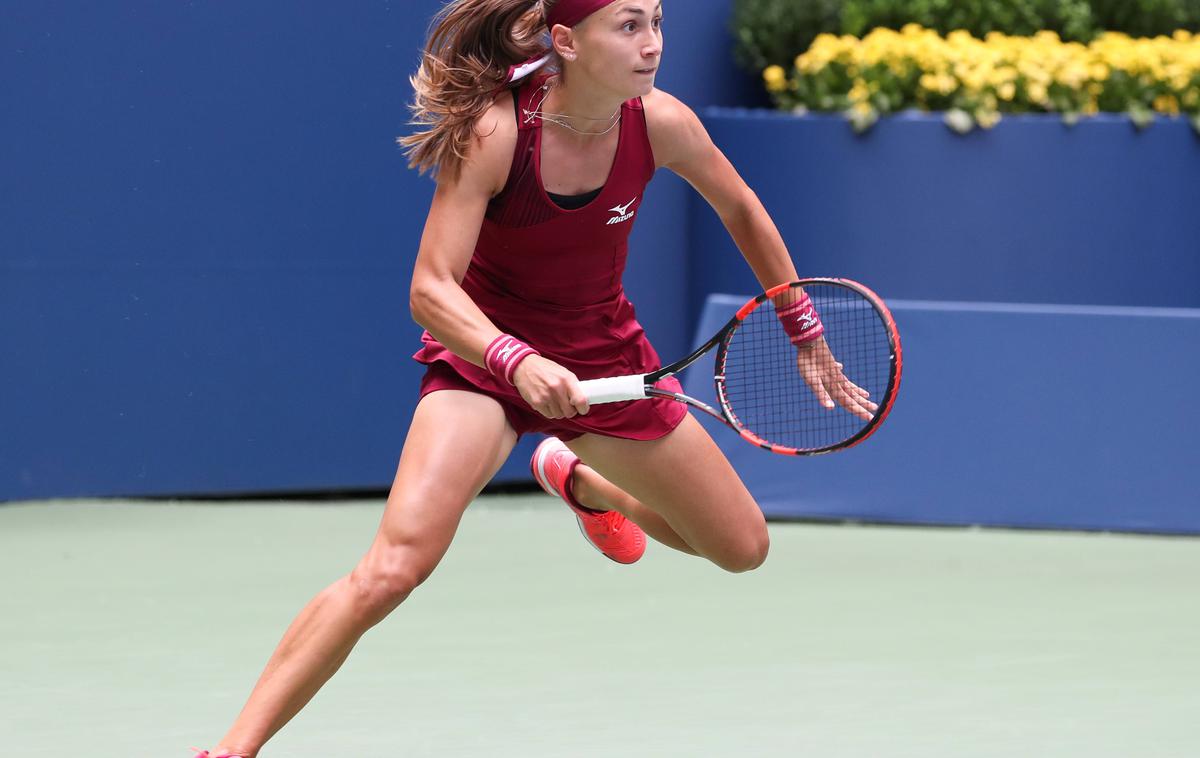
column 627, row 387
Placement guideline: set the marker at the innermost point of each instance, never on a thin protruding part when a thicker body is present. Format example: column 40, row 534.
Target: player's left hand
column 824, row 377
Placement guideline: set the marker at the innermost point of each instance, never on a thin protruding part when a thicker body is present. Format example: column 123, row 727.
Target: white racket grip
column 614, row 389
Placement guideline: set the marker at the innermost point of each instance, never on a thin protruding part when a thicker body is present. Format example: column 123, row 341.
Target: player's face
column 621, row 46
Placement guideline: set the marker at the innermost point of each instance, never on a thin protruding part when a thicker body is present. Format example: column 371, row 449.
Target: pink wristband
column 800, row 321
column 504, row 354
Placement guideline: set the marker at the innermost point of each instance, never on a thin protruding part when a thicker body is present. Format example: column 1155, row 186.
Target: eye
column 630, row 26
column 658, row 22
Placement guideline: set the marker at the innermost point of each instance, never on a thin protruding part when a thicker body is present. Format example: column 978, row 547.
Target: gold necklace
column 560, row 118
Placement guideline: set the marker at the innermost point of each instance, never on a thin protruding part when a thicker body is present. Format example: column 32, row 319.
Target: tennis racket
column 814, row 398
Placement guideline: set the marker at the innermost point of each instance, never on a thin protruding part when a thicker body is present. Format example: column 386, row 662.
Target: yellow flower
column 988, row 118
column 993, row 70
column 972, row 79
column 1072, row 75
column 1166, row 104
column 960, row 37
column 775, row 78
column 942, row 84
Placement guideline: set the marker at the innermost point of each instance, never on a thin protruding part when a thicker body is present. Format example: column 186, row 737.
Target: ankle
column 582, row 487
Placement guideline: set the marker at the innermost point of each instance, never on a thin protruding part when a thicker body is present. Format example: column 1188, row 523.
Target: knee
column 747, row 553
column 382, row 582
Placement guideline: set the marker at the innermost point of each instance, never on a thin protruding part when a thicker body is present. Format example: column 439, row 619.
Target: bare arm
column 437, row 299
column 682, row 144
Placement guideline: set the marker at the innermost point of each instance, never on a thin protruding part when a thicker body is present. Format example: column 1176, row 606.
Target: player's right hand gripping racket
column 768, row 389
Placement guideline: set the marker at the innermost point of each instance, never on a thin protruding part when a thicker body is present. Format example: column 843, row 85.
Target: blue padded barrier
column 1008, row 415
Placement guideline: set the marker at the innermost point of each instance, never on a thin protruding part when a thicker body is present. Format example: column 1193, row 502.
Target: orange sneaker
column 612, row 534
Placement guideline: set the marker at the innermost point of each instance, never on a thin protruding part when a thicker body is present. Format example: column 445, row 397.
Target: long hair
column 472, row 44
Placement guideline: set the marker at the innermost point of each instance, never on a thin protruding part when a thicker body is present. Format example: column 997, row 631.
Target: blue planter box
column 1031, row 211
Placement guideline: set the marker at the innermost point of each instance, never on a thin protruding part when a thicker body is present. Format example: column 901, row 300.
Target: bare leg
column 596, row 492
column 438, row 476
column 686, row 481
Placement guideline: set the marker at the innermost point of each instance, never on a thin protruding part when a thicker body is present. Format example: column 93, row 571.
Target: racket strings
column 764, row 388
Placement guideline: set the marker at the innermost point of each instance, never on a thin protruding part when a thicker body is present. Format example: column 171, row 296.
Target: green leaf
column 1141, row 116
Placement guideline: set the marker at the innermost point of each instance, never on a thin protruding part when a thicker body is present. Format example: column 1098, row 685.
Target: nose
column 653, row 47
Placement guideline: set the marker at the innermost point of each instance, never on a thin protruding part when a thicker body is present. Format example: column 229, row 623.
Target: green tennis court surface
column 134, row 630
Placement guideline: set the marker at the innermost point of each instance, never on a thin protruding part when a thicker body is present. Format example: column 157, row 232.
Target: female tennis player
column 543, row 128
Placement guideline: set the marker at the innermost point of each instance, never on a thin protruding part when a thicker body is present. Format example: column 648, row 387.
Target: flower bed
column 975, row 80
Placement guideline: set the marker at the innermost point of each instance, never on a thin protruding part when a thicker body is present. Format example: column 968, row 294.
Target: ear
column 563, row 39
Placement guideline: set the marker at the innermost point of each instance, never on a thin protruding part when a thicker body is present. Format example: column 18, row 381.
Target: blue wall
column 207, row 235
column 207, row 231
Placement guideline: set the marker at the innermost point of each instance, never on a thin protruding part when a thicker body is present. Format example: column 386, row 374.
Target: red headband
column 566, row 12
column 571, row 12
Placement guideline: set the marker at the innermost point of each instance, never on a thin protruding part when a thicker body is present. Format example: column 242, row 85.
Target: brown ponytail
column 472, row 44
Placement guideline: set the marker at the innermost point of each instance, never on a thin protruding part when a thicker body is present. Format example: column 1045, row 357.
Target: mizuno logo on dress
column 623, row 213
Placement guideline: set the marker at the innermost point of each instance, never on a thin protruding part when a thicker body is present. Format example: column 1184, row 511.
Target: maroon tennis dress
column 552, row 277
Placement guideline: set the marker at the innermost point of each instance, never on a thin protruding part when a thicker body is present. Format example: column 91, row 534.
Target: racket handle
column 614, row 389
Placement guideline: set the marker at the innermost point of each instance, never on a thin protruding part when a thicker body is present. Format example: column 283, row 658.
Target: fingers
column 816, row 365
column 554, row 408
column 832, row 388
column 852, row 402
column 554, row 393
column 568, row 400
column 814, row 378
column 852, row 397
column 824, row 397
column 561, row 404
column 578, row 400
column 863, row 397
